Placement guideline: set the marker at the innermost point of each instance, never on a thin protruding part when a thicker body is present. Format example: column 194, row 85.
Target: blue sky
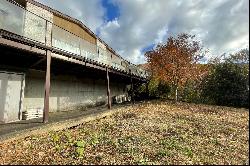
column 112, row 13
column 112, row 10
column 132, row 27
column 148, row 48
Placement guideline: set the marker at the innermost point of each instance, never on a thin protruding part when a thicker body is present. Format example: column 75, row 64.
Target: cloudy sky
column 132, row 27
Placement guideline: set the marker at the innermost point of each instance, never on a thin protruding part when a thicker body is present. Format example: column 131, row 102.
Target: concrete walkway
column 57, row 121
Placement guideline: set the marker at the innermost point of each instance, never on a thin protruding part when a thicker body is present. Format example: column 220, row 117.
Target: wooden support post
column 108, row 90
column 47, row 88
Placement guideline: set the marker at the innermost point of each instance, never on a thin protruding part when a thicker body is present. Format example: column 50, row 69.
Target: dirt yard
column 153, row 132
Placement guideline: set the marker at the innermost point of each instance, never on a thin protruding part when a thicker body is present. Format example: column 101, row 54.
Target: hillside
column 154, row 132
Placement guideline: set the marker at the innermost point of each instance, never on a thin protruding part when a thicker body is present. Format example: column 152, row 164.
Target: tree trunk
column 176, row 94
column 147, row 90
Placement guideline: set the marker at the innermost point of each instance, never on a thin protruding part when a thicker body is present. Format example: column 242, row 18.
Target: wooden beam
column 47, row 89
column 21, row 46
column 94, row 66
column 108, row 89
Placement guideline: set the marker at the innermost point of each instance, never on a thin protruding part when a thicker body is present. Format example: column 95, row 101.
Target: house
column 53, row 62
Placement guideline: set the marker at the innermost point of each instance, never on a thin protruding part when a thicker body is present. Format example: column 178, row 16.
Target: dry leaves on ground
column 153, row 132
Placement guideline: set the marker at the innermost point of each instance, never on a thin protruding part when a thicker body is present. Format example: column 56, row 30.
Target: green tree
column 163, row 89
column 191, row 92
column 153, row 89
column 228, row 82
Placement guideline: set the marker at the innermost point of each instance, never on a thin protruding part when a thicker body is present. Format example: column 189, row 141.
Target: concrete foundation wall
column 67, row 92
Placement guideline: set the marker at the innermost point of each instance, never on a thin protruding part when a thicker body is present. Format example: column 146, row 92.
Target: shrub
column 227, row 85
column 156, row 89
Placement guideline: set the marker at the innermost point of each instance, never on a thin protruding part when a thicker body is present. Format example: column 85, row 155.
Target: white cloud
column 221, row 25
column 91, row 13
column 161, row 35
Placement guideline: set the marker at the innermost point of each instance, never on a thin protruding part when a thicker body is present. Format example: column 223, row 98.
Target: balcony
column 31, row 27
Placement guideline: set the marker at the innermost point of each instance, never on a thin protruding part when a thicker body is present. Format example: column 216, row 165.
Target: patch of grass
column 80, row 148
column 55, row 137
column 215, row 141
column 163, row 153
column 171, row 144
column 94, row 140
column 143, row 161
column 188, row 152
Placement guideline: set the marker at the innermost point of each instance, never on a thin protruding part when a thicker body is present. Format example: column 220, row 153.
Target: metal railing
column 16, row 19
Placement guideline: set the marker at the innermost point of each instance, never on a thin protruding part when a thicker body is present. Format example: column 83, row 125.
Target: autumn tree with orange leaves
column 175, row 62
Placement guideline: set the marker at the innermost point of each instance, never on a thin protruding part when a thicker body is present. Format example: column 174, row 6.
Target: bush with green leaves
column 227, row 84
column 163, row 90
column 191, row 92
column 152, row 90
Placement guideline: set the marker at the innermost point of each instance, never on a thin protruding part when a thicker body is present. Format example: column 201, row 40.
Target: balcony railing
column 16, row 19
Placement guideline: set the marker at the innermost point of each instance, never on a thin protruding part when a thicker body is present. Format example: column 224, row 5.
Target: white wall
column 11, row 95
column 67, row 92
